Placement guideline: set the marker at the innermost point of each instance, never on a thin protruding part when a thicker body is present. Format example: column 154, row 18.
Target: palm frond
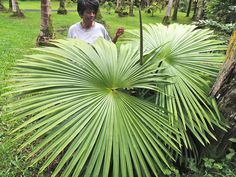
column 74, row 95
column 192, row 57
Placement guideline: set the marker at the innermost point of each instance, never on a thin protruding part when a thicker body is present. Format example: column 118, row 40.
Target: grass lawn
column 17, row 37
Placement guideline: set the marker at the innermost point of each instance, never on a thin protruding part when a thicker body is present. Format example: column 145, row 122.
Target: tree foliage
column 221, row 10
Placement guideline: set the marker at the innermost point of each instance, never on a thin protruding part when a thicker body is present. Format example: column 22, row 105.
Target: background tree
column 46, row 29
column 10, row 5
column 108, row 5
column 220, row 16
column 62, row 9
column 144, row 3
column 123, row 8
column 131, row 8
column 183, row 5
column 2, row 8
column 155, row 6
column 168, row 12
column 194, row 9
column 224, row 91
column 152, row 9
column 118, row 5
column 221, row 10
column 16, row 10
column 189, row 8
column 200, row 10
column 176, row 7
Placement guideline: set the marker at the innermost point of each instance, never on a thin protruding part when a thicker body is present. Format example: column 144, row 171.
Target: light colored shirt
column 88, row 35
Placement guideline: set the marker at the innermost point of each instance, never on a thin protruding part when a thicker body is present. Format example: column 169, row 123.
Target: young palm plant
column 75, row 102
column 192, row 57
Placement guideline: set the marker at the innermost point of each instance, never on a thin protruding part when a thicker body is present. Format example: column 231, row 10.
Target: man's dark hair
column 83, row 5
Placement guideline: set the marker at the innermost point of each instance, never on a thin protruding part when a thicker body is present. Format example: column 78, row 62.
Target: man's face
column 88, row 16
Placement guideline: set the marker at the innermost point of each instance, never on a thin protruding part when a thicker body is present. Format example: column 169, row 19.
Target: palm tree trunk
column 189, row 8
column 200, row 9
column 10, row 5
column 46, row 28
column 194, row 10
column 224, row 91
column 131, row 8
column 174, row 17
column 62, row 10
column 14, row 4
column 168, row 12
column 16, row 10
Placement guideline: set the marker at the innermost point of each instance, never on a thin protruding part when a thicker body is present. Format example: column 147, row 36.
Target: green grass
column 17, row 37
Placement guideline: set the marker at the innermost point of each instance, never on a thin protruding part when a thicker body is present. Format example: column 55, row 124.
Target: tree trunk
column 168, row 13
column 224, row 91
column 118, row 5
column 2, row 8
column 189, row 8
column 131, row 8
column 10, row 5
column 62, row 10
column 46, row 28
column 200, row 10
column 194, row 10
column 175, row 13
column 16, row 10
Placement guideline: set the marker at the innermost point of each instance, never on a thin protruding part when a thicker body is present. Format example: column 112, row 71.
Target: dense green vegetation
column 223, row 12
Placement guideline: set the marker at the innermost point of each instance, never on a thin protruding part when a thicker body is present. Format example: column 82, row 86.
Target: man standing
column 88, row 30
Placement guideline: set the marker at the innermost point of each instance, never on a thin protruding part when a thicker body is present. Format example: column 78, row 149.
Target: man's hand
column 119, row 32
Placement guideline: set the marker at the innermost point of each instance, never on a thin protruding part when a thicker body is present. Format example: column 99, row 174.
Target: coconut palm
column 168, row 12
column 46, row 28
column 16, row 10
column 77, row 97
column 188, row 54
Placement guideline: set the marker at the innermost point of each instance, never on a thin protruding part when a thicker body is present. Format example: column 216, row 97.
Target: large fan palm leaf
column 192, row 57
column 75, row 96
